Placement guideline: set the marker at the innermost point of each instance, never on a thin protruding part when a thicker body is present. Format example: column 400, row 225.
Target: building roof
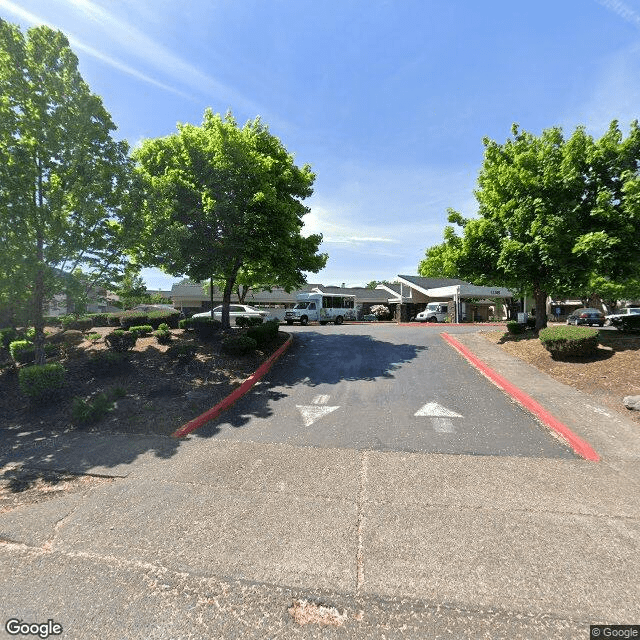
column 431, row 283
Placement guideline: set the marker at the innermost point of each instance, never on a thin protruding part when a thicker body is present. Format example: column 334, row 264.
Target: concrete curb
column 577, row 444
column 214, row 412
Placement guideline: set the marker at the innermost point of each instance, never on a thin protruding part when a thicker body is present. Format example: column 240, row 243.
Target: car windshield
column 301, row 305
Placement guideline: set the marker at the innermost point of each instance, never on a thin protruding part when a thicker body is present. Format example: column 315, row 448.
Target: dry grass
column 610, row 375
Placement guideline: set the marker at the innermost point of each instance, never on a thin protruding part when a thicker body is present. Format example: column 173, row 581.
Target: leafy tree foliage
column 63, row 179
column 227, row 200
column 555, row 216
column 374, row 283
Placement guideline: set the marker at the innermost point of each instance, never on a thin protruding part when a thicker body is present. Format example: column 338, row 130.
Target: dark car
column 586, row 316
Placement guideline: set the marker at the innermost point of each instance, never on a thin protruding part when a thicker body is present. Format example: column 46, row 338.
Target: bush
column 569, row 342
column 130, row 319
column 89, row 412
column 41, row 382
column 121, row 341
column 206, row 328
column 106, row 363
column 186, row 324
column 7, row 336
column 163, row 336
column 99, row 319
column 94, row 337
column 515, row 328
column 83, row 323
column 171, row 318
column 52, row 321
column 531, row 322
column 182, row 352
column 142, row 330
column 238, row 345
column 264, row 333
column 241, row 321
column 24, row 351
column 113, row 319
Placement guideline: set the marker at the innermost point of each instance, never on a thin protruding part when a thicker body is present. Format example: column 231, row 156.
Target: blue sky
column 388, row 100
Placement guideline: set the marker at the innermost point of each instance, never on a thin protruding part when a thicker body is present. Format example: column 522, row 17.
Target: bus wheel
column 304, row 320
column 339, row 320
column 289, row 322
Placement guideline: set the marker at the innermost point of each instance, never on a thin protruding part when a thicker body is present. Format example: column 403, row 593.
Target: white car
column 235, row 311
column 435, row 312
column 614, row 318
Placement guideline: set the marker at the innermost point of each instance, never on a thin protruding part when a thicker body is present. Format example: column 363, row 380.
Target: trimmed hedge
column 24, row 351
column 107, row 363
column 99, row 319
column 206, row 328
column 52, row 321
column 121, row 341
column 241, row 321
column 156, row 318
column 41, row 382
column 238, row 345
column 142, row 330
column 264, row 333
column 182, row 352
column 515, row 328
column 186, row 324
column 82, row 323
column 130, row 319
column 569, row 342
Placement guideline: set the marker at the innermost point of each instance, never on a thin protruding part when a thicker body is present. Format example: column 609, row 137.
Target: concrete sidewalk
column 207, row 538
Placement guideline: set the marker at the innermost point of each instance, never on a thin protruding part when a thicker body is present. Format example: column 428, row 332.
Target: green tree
column 132, row 290
column 227, row 200
column 374, row 283
column 64, row 182
column 553, row 216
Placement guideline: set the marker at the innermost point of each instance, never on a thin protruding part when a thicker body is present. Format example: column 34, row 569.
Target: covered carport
column 461, row 292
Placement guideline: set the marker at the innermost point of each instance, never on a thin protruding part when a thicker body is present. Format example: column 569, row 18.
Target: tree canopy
column 64, row 182
column 226, row 202
column 555, row 216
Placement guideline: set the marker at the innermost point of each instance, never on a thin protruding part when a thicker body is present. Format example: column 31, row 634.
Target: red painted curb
column 214, row 412
column 581, row 447
column 451, row 324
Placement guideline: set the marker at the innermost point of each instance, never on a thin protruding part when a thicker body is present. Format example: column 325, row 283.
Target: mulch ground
column 159, row 393
column 609, row 375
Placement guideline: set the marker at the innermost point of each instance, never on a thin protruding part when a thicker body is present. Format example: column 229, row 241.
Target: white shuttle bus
column 322, row 307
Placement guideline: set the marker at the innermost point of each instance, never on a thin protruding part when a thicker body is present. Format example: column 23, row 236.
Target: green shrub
column 130, row 319
column 121, row 341
column 7, row 336
column 264, row 333
column 186, row 324
column 113, row 319
column 99, row 319
column 182, row 352
column 94, row 337
column 171, row 318
column 142, row 330
column 531, row 322
column 163, row 327
column 206, row 328
column 52, row 321
column 83, row 323
column 238, row 345
column 569, row 342
column 163, row 336
column 106, row 363
column 248, row 322
column 515, row 328
column 41, row 382
column 89, row 412
column 22, row 351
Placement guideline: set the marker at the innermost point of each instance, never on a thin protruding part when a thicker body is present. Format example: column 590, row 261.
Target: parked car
column 235, row 311
column 586, row 316
column 616, row 319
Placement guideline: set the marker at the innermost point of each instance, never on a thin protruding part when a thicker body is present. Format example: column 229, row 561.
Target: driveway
column 383, row 387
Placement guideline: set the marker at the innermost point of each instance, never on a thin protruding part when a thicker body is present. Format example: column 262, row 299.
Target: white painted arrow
column 315, row 411
column 439, row 416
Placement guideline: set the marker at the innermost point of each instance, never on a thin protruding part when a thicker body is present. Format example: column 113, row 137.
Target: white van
column 321, row 307
column 434, row 312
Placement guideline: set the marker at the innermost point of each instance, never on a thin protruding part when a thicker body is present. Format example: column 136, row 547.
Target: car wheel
column 339, row 320
column 304, row 321
column 432, row 319
column 289, row 322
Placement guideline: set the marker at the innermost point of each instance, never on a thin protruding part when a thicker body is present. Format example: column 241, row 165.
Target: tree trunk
column 541, row 307
column 211, row 295
column 226, row 302
column 242, row 291
column 38, row 289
